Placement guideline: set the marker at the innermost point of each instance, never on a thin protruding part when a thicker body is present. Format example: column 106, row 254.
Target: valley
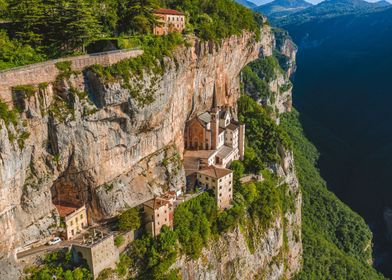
column 343, row 92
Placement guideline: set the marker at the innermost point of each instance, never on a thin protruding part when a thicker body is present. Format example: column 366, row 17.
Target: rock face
column 90, row 141
column 108, row 155
column 281, row 86
column 287, row 48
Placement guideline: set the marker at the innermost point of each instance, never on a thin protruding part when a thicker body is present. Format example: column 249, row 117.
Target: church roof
column 205, row 117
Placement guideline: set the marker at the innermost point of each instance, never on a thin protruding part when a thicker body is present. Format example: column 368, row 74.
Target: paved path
column 63, row 244
column 43, row 249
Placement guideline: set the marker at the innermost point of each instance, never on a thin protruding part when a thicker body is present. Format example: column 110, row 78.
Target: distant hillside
column 342, row 86
column 331, row 9
column 247, row 3
column 282, row 8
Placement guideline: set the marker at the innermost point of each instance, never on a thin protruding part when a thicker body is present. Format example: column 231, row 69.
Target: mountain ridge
column 331, row 9
column 247, row 3
column 282, row 8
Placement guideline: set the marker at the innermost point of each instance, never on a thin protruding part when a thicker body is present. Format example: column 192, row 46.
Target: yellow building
column 75, row 218
column 221, row 181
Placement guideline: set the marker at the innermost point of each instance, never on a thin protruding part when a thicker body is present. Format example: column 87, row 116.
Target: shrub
column 129, row 220
column 119, row 240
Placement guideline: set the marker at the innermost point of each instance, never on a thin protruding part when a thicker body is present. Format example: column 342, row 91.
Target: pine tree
column 82, row 27
column 138, row 15
column 3, row 9
column 28, row 19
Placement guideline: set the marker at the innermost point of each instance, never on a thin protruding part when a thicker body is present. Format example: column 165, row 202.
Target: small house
column 73, row 216
column 168, row 21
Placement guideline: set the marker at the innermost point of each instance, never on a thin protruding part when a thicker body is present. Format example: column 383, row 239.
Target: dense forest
column 336, row 240
column 36, row 30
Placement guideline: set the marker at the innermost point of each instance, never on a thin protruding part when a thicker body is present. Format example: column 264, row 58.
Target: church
column 215, row 137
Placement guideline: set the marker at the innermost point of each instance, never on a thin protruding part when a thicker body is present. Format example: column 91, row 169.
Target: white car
column 54, row 241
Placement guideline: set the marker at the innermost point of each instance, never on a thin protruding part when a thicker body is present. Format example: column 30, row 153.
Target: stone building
column 221, row 181
column 98, row 250
column 158, row 212
column 168, row 21
column 217, row 131
column 74, row 217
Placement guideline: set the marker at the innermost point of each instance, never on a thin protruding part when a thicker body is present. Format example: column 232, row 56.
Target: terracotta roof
column 66, row 208
column 215, row 172
column 156, row 203
column 169, row 195
column 163, row 11
column 199, row 154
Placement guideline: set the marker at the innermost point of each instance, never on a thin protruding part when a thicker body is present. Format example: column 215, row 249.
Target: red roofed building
column 169, row 21
column 74, row 217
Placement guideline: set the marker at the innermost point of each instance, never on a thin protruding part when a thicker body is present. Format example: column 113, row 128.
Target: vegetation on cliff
column 198, row 221
column 58, row 265
column 337, row 242
column 262, row 134
column 216, row 19
column 40, row 29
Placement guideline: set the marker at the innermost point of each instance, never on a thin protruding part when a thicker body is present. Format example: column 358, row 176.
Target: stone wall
column 47, row 72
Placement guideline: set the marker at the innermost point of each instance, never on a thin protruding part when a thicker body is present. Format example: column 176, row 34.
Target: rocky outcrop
column 287, row 49
column 105, row 149
column 281, row 87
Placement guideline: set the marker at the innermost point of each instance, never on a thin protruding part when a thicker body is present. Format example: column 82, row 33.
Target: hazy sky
column 260, row 2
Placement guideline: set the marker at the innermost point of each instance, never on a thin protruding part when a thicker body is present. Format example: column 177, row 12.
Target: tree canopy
column 54, row 28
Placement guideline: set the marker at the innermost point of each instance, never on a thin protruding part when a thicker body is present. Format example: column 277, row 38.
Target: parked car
column 54, row 241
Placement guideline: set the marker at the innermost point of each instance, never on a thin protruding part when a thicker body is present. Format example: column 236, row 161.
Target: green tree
column 28, row 19
column 3, row 9
column 129, row 220
column 137, row 16
column 15, row 53
column 106, row 12
column 82, row 26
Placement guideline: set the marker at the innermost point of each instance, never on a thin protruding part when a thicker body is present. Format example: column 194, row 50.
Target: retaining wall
column 46, row 72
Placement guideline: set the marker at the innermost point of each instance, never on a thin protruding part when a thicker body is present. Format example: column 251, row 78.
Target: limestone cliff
column 285, row 52
column 103, row 148
column 89, row 140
